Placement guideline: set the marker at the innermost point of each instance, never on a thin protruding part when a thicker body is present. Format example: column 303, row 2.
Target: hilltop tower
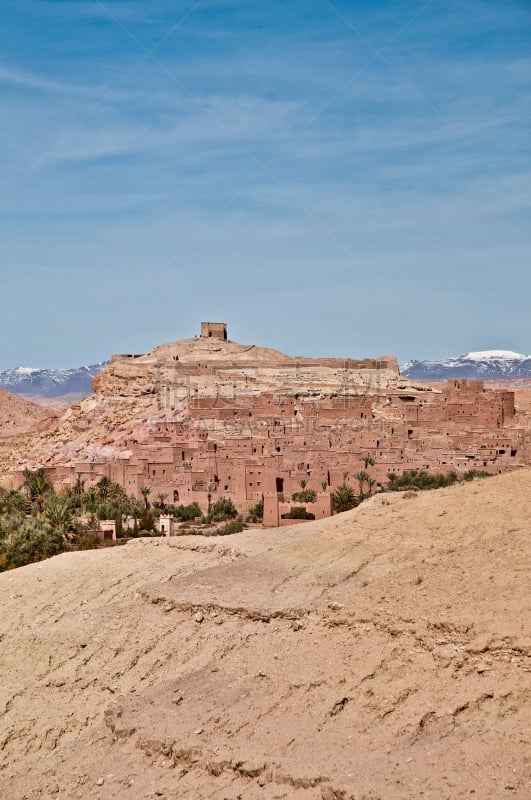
column 214, row 330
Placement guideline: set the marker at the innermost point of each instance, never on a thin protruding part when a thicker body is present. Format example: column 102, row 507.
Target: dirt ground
column 382, row 653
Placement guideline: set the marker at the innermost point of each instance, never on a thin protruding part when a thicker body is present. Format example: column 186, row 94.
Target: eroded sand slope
column 383, row 653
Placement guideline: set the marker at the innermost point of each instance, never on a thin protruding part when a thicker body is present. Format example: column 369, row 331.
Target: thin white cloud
column 29, row 80
column 209, row 128
column 123, row 11
column 42, row 83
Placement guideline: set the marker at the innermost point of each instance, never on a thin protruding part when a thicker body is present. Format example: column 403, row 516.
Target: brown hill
column 20, row 418
column 382, row 653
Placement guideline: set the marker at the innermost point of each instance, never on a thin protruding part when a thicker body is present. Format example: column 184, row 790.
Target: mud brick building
column 247, row 423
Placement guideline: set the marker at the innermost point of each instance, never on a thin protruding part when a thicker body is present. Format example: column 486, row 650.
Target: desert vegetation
column 419, row 479
column 37, row 522
column 256, row 512
column 305, row 495
column 411, row 480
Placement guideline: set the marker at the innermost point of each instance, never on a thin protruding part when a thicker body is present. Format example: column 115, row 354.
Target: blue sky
column 329, row 177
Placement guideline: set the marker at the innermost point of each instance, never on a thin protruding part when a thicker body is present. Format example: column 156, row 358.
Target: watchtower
column 214, row 330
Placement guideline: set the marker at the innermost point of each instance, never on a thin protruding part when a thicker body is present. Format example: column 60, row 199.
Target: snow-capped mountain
column 481, row 365
column 50, row 382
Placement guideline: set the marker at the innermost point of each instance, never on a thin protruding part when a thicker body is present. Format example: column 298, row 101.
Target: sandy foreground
column 383, row 653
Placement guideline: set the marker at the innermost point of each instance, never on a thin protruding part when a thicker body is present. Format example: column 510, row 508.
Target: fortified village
column 203, row 418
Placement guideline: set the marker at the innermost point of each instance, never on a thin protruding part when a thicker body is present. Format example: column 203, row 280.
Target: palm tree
column 369, row 461
column 371, row 483
column 145, row 491
column 59, row 516
column 91, row 499
column 324, row 485
column 79, row 486
column 37, row 485
column 104, row 486
column 161, row 497
column 392, row 478
column 117, row 492
column 134, row 506
column 362, row 477
column 344, row 498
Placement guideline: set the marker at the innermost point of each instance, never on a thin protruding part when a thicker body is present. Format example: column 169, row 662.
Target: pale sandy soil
column 383, row 653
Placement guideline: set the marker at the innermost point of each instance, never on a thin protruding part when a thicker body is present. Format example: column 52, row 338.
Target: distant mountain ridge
column 485, row 364
column 50, row 382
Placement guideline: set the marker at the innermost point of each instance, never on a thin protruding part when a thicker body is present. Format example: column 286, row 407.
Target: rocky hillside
column 212, row 367
column 19, row 418
column 485, row 365
column 383, row 654
column 132, row 392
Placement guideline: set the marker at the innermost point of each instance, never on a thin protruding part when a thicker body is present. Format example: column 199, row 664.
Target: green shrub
column 256, row 512
column 304, row 496
column 87, row 541
column 119, row 526
column 13, row 500
column 419, row 479
column 34, row 541
column 233, row 526
column 298, row 512
column 147, row 522
column 185, row 513
column 223, row 509
column 475, row 473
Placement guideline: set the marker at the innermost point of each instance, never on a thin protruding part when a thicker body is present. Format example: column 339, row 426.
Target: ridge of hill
column 20, row 417
column 381, row 653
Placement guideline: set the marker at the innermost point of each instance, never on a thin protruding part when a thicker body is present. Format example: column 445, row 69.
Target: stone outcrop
column 210, row 368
